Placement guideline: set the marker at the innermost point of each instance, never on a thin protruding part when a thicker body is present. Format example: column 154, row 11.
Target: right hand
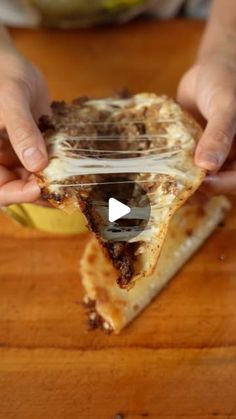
column 208, row 90
column 23, row 99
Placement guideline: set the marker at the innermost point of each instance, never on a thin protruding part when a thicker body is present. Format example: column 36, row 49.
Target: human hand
column 208, row 91
column 23, row 99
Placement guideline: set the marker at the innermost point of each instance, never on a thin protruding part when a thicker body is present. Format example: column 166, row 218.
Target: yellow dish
column 47, row 219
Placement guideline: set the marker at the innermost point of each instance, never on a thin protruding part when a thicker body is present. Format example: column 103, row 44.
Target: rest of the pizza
column 110, row 307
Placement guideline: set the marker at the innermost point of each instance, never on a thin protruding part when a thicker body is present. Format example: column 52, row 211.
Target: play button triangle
column 116, row 209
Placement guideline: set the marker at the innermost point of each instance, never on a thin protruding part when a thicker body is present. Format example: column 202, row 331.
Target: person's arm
column 23, row 99
column 220, row 32
column 209, row 88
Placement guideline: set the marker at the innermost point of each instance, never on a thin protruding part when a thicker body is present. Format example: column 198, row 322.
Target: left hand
column 208, row 91
column 23, row 99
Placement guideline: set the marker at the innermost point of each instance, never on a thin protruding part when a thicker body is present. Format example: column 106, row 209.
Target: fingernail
column 208, row 161
column 32, row 157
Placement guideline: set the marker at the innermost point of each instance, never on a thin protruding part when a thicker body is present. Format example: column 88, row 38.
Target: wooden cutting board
column 178, row 359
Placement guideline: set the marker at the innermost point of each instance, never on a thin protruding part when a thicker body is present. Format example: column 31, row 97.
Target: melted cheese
column 173, row 160
column 68, row 162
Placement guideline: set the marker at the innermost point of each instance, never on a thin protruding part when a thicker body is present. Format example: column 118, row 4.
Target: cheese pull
column 143, row 146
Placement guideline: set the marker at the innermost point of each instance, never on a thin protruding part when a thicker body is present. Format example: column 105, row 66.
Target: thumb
column 215, row 144
column 22, row 130
column 186, row 91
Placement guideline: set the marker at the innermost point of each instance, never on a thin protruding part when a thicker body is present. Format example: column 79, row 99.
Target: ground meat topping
column 95, row 320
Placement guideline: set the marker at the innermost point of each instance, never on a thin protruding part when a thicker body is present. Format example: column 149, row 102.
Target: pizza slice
column 111, row 308
column 144, row 141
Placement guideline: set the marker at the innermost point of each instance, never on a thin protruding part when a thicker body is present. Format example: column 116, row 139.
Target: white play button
column 116, row 210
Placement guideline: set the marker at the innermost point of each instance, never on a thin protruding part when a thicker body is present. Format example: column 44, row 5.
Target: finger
column 13, row 174
column 22, row 173
column 24, row 135
column 215, row 144
column 13, row 190
column 187, row 102
column 224, row 182
column 186, row 95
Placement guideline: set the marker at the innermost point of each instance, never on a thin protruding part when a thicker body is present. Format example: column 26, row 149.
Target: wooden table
column 178, row 359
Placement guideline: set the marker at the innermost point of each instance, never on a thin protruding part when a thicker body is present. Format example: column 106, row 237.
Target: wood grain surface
column 178, row 359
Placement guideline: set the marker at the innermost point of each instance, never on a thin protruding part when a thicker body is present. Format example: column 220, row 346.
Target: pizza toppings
column 123, row 256
column 95, row 320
